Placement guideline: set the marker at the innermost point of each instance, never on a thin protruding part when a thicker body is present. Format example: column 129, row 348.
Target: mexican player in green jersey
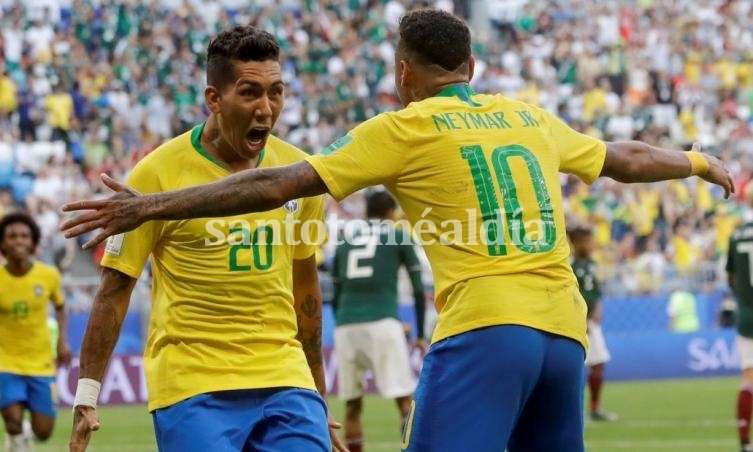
column 368, row 335
column 597, row 356
column 740, row 275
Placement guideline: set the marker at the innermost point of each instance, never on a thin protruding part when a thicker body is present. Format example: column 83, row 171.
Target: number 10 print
column 513, row 211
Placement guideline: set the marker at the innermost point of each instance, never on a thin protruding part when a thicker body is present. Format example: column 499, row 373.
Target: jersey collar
column 462, row 91
column 196, row 143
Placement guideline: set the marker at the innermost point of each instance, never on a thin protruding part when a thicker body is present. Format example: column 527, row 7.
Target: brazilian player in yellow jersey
column 478, row 177
column 233, row 357
column 27, row 365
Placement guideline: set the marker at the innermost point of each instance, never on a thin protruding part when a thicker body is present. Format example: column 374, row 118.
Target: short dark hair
column 20, row 217
column 242, row 43
column 433, row 36
column 378, row 203
column 579, row 232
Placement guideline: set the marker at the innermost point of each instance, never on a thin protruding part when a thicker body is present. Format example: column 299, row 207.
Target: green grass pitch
column 672, row 415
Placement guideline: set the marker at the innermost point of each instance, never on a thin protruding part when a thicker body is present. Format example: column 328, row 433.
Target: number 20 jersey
column 222, row 305
column 460, row 160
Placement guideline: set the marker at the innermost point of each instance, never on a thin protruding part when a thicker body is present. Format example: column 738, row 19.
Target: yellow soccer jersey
column 460, row 159
column 25, row 344
column 222, row 304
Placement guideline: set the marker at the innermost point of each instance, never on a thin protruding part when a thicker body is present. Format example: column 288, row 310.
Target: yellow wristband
column 698, row 163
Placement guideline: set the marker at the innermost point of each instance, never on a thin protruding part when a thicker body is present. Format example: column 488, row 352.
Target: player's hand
column 422, row 345
column 85, row 421
column 64, row 353
column 718, row 173
column 334, row 426
column 121, row 212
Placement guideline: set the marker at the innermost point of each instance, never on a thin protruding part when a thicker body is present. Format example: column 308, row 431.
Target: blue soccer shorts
column 259, row 420
column 499, row 388
column 35, row 393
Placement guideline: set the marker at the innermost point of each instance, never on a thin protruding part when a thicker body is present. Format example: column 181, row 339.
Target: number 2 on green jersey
column 354, row 268
column 513, row 211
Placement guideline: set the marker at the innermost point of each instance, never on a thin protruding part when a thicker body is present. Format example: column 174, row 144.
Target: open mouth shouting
column 256, row 138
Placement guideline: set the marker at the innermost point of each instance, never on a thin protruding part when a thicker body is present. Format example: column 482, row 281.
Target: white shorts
column 378, row 346
column 598, row 353
column 745, row 350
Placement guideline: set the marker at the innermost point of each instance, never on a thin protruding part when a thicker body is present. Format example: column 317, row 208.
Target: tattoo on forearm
column 310, row 307
column 312, row 347
column 247, row 191
column 311, row 337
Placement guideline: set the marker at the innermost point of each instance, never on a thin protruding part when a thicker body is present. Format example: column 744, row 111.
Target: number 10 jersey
column 478, row 177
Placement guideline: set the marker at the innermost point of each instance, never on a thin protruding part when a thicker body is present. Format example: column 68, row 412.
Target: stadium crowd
column 91, row 86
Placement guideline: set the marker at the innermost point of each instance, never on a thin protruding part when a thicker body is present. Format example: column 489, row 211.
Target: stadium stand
column 90, row 87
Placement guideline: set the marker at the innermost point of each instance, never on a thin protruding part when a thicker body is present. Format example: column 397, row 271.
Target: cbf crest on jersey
column 38, row 290
column 292, row 206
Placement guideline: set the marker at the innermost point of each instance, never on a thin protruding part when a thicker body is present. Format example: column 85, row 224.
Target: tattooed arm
column 255, row 190
column 308, row 309
column 102, row 331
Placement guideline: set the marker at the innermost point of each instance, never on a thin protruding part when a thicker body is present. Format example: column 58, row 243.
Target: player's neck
column 582, row 257
column 223, row 152
column 18, row 267
column 437, row 83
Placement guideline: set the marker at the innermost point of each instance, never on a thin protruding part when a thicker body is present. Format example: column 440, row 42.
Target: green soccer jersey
column 739, row 268
column 585, row 272
column 365, row 274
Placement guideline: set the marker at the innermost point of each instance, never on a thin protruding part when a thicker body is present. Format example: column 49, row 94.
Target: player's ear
column 212, row 98
column 405, row 73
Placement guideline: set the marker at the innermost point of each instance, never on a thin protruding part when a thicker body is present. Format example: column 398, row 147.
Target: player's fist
column 85, row 421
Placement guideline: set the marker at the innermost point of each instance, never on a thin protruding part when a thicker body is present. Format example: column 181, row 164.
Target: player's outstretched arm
column 634, row 161
column 255, row 190
column 102, row 331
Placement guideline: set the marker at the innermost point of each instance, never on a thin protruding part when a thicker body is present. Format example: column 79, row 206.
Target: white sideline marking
column 662, row 423
column 673, row 444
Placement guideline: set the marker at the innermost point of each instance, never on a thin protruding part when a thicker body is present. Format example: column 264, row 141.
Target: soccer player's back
column 740, row 274
column 503, row 265
column 369, row 335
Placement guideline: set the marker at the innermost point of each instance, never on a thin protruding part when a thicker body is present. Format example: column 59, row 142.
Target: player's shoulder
column 744, row 231
column 280, row 152
column 165, row 155
column 46, row 271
